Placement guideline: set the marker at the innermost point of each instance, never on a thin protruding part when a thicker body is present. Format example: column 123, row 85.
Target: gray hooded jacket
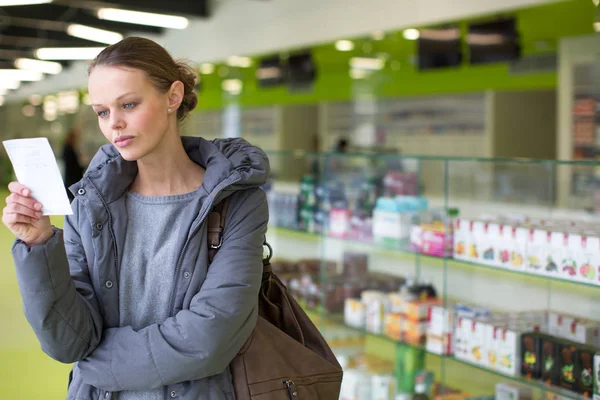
column 71, row 297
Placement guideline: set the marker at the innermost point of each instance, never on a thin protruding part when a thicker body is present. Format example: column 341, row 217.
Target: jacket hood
column 110, row 175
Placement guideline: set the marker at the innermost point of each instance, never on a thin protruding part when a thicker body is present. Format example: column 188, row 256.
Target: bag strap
column 216, row 225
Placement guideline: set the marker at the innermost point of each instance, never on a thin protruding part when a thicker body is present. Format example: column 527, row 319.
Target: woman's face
column 132, row 114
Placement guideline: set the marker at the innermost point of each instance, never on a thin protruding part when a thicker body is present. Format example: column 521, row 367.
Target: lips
column 123, row 141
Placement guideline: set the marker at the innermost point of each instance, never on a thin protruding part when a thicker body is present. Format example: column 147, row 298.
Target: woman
column 125, row 291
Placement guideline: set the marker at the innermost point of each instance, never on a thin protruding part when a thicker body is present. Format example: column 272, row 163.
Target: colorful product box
column 588, row 260
column 355, row 313
column 597, row 376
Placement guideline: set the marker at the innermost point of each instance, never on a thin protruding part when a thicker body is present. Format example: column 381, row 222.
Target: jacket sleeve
column 203, row 340
column 58, row 298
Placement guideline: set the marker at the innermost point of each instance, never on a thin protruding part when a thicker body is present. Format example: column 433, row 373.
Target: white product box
column 462, row 239
column 441, row 345
column 441, row 321
column 555, row 253
column 568, row 267
column 383, row 387
column 511, row 391
column 536, row 250
column 355, row 313
column 588, row 260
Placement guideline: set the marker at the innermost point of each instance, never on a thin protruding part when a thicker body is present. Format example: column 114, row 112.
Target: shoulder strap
column 216, row 225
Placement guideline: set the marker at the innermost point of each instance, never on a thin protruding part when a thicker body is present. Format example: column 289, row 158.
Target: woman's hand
column 23, row 216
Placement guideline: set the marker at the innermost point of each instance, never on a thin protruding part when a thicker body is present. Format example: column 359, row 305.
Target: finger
column 16, row 187
column 11, row 219
column 16, row 208
column 24, row 201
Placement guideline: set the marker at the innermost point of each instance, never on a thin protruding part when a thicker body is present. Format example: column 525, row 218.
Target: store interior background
column 493, row 138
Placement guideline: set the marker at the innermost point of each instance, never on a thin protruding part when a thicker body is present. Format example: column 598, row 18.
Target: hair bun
column 190, row 99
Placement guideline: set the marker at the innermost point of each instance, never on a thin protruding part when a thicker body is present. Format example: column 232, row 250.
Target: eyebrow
column 117, row 99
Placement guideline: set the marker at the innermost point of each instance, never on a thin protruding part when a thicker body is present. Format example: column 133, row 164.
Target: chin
column 129, row 154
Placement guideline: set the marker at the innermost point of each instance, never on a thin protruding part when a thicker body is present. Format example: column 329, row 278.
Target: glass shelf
column 339, row 320
column 368, row 246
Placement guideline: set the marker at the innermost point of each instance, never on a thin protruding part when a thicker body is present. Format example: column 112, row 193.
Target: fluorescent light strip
column 6, row 3
column 94, row 34
column 344, row 45
column 9, row 84
column 367, row 63
column 68, row 53
column 143, row 18
column 47, row 67
column 20, row 75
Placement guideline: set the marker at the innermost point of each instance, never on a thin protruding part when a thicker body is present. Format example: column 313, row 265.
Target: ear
column 175, row 95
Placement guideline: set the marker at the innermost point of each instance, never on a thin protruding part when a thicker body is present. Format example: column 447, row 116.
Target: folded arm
column 201, row 341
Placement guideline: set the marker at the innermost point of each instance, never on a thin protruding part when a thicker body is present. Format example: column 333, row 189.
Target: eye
column 129, row 106
column 102, row 113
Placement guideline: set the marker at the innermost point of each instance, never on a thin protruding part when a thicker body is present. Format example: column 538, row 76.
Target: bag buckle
column 218, row 246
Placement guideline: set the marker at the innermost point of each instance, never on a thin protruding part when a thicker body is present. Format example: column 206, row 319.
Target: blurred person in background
column 125, row 291
column 73, row 168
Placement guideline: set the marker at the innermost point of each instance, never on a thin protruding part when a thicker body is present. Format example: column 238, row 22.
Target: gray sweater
column 148, row 265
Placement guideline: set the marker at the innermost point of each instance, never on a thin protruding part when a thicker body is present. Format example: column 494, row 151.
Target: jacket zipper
column 291, row 384
column 110, row 230
column 217, row 190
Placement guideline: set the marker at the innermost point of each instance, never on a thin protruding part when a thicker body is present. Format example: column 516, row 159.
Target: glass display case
column 441, row 277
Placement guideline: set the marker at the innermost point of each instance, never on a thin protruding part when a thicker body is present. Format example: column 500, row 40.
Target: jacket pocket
column 323, row 387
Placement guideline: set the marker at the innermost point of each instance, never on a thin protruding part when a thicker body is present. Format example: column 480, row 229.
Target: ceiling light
column 237, row 61
column 597, row 26
column 6, row 3
column 358, row 74
column 68, row 53
column 1, row 100
column 367, row 63
column 94, row 34
column 596, row 2
column 143, row 18
column 378, row 35
column 233, row 86
column 20, row 75
column 46, row 67
column 207, row 68
column 344, row 45
column 411, row 34
column 9, row 84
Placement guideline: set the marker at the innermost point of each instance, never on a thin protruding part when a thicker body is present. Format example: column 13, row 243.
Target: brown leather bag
column 286, row 357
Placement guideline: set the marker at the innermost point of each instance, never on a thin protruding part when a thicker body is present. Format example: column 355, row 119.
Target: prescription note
column 35, row 167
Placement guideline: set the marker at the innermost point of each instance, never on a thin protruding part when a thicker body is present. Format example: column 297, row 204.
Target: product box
column 596, row 376
column 462, row 238
column 383, row 387
column 487, row 240
column 568, row 364
column 441, row 345
column 531, row 355
column 568, row 266
column 588, row 260
column 506, row 246
column 355, row 313
column 419, row 310
column 573, row 328
column 555, row 253
column 550, row 372
column 441, row 321
column 393, row 326
column 509, row 350
column 536, row 250
column 511, row 391
column 585, row 371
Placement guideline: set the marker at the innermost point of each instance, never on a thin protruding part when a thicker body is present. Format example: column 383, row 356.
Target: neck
column 168, row 170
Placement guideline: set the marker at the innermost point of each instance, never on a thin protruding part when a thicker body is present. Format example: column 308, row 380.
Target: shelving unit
column 327, row 218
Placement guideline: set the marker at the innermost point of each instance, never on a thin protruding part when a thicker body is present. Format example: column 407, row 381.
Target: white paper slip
column 35, row 167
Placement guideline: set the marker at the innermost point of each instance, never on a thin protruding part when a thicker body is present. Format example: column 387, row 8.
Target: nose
column 116, row 121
